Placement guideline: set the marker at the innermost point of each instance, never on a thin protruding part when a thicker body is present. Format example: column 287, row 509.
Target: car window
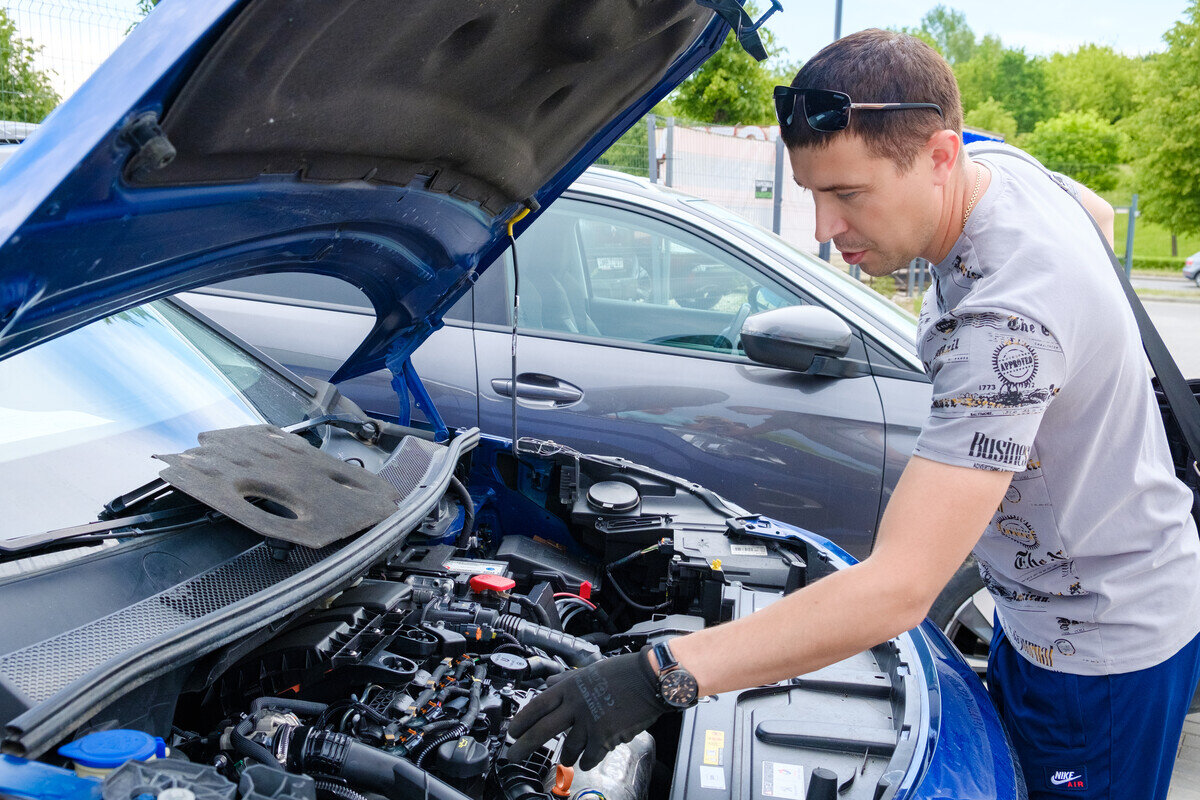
column 611, row 273
column 83, row 414
column 871, row 302
column 320, row 291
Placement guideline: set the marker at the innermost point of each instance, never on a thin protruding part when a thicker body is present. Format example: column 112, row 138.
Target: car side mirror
column 794, row 336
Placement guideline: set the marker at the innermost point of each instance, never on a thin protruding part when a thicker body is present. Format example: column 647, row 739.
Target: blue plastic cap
column 111, row 749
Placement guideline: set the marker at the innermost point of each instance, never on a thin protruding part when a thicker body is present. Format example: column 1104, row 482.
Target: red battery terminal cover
column 491, row 583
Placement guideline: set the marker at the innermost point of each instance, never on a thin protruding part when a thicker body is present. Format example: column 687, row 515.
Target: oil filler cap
column 509, row 665
column 613, row 496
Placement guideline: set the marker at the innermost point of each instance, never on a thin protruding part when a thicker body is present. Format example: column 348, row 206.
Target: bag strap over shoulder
column 1184, row 404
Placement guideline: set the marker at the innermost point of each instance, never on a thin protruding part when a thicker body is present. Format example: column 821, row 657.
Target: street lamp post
column 824, row 251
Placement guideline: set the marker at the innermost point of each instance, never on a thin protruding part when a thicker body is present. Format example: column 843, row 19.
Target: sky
column 1040, row 26
column 78, row 34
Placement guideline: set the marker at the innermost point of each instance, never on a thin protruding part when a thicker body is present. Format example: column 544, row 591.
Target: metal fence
column 49, row 47
column 742, row 168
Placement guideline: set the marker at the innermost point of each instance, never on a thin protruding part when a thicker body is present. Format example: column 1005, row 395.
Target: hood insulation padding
column 280, row 486
column 486, row 101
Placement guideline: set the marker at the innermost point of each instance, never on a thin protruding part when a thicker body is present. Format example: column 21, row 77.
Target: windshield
column 870, row 302
column 81, row 415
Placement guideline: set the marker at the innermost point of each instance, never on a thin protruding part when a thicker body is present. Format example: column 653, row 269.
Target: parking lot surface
column 1179, row 324
column 1185, row 780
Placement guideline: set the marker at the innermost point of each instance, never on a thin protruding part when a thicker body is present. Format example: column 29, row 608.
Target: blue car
column 221, row 579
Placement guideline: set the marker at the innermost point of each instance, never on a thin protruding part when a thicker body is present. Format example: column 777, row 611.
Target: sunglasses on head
column 827, row 110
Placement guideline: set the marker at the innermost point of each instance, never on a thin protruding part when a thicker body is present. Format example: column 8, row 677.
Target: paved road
column 1176, row 283
column 1185, row 779
column 1179, row 325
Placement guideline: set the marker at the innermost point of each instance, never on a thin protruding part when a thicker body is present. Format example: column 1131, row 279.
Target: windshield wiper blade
column 101, row 529
column 365, row 429
column 149, row 491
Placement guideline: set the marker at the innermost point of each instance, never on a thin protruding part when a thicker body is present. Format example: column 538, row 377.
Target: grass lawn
column 1150, row 240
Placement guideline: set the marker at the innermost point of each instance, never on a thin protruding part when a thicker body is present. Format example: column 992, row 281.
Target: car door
column 312, row 323
column 628, row 346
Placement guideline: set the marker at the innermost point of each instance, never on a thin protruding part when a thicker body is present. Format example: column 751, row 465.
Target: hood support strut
column 405, row 381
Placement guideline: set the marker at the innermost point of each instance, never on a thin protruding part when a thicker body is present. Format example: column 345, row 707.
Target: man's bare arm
column 1100, row 210
column 934, row 518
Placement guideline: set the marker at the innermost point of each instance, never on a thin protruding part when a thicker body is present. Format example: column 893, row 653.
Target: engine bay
column 403, row 682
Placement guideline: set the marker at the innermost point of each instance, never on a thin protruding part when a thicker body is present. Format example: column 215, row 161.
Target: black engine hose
column 429, row 747
column 575, row 651
column 313, row 751
column 305, row 707
column 452, row 684
column 334, row 791
column 248, row 748
column 543, row 616
column 432, row 686
column 506, row 638
column 540, row 667
column 468, row 528
column 625, row 598
column 472, row 713
column 435, row 728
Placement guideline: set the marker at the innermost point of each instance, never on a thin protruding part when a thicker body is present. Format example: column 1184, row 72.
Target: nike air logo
column 1062, row 776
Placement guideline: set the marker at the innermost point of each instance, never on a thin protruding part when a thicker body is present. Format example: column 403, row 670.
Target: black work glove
column 603, row 705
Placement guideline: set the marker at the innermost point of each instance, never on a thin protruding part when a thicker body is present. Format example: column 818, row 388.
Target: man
column 1043, row 452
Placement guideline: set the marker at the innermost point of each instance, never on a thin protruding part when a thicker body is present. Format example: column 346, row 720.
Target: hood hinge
column 744, row 30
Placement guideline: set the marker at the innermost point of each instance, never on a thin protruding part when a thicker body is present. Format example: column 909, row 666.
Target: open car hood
column 387, row 144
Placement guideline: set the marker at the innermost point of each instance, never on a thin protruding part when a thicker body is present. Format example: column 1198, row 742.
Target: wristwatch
column 676, row 686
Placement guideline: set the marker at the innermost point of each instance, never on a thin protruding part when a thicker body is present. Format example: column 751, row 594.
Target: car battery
column 752, row 562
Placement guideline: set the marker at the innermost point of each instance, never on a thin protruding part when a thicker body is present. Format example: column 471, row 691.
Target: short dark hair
column 877, row 66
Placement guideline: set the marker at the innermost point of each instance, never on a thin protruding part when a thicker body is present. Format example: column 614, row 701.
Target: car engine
column 403, row 681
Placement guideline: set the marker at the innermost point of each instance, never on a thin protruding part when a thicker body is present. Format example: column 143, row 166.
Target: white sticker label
column 748, row 549
column 782, row 780
column 473, row 567
column 713, row 778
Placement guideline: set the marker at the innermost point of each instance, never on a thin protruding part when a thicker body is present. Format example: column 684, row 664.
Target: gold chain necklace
column 974, row 195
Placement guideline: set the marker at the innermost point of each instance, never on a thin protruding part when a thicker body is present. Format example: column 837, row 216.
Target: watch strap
column 664, row 657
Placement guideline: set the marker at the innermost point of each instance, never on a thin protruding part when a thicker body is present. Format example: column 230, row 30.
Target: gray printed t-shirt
column 1038, row 369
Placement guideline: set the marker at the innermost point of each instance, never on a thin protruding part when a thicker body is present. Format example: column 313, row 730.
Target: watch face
column 678, row 688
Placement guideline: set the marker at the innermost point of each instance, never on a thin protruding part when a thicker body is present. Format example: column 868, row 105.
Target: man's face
column 877, row 216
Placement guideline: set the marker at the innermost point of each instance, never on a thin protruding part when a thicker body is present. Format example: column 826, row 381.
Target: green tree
column 1014, row 79
column 991, row 115
column 25, row 91
column 631, row 152
column 1081, row 144
column 731, row 88
column 950, row 33
column 946, row 31
column 1094, row 78
column 1164, row 136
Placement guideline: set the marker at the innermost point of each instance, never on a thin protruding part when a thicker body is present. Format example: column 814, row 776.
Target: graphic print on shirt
column 963, row 275
column 1023, row 541
column 1015, row 348
column 1025, row 566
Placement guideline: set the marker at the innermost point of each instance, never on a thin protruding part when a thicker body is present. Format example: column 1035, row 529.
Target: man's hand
column 603, row 705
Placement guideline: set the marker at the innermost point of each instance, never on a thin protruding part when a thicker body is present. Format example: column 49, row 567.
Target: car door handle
column 541, row 389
